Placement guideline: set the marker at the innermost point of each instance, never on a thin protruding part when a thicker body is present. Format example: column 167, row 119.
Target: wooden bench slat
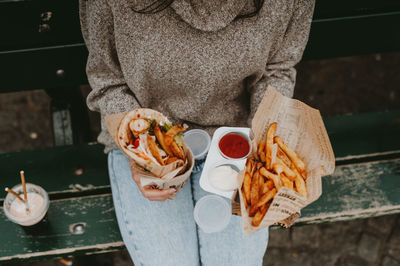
column 32, row 69
column 54, row 168
column 101, row 231
column 353, row 191
column 357, row 191
column 364, row 134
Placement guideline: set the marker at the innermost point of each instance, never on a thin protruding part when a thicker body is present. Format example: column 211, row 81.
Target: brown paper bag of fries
column 301, row 128
column 174, row 174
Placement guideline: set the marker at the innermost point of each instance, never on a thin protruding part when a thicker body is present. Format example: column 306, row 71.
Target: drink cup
column 38, row 203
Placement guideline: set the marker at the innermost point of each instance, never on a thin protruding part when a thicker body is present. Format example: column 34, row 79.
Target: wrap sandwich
column 151, row 141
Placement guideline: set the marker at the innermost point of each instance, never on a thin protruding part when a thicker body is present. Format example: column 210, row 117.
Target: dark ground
column 334, row 86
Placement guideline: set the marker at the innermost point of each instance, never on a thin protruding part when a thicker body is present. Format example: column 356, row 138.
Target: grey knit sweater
column 193, row 61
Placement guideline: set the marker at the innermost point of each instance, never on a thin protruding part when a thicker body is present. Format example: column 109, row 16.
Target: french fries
column 171, row 160
column 267, row 186
column 160, row 137
column 245, row 200
column 260, row 184
column 176, row 150
column 168, row 144
column 298, row 163
column 264, row 175
column 260, row 215
column 249, row 165
column 254, row 194
column 280, row 167
column 247, row 185
column 300, row 185
column 172, row 132
column 154, row 149
column 261, row 151
column 271, row 176
column 266, row 197
column 269, row 141
column 286, row 182
column 280, row 155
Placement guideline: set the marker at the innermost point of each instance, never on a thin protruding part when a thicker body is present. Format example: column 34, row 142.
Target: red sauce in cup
column 234, row 145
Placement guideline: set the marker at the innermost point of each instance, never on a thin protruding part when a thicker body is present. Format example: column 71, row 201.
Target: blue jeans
column 165, row 233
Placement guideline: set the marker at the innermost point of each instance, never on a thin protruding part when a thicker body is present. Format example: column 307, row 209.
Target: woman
column 206, row 63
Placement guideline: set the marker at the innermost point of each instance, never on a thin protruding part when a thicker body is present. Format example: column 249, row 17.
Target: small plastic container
column 199, row 142
column 212, row 213
column 214, row 157
column 218, row 164
column 37, row 216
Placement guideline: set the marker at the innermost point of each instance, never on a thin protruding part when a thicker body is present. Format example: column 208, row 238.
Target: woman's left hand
column 149, row 192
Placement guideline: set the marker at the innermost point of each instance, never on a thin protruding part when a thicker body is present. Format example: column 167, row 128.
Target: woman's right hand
column 149, row 192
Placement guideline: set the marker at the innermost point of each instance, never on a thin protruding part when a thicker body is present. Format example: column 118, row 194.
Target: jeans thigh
column 229, row 246
column 155, row 233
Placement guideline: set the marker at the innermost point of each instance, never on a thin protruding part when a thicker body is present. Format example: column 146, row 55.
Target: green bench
column 43, row 49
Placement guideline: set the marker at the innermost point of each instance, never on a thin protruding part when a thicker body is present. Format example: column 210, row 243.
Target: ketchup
column 136, row 143
column 234, row 145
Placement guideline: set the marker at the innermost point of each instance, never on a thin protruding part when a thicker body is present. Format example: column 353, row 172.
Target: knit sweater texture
column 194, row 61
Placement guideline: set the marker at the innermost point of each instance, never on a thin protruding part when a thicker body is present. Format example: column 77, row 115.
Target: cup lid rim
column 225, row 219
column 201, row 132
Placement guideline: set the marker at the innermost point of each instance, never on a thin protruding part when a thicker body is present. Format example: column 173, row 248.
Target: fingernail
column 172, row 191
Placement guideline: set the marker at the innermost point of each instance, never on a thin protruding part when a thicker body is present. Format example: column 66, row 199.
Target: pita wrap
column 124, row 136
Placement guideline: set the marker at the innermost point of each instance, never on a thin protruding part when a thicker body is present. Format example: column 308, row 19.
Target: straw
column 23, row 184
column 22, row 173
column 9, row 190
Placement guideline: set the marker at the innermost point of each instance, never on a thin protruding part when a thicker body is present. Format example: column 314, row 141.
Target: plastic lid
column 212, row 213
column 198, row 141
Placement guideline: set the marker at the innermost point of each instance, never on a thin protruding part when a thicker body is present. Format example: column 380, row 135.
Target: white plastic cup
column 212, row 213
column 36, row 216
column 199, row 142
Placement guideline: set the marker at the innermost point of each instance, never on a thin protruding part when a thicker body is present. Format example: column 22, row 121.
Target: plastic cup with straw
column 16, row 208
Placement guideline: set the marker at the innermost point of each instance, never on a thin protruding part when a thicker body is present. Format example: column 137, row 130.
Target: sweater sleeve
column 110, row 93
column 285, row 53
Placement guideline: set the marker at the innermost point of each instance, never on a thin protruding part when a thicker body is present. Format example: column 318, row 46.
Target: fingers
column 135, row 175
column 157, row 194
column 149, row 192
